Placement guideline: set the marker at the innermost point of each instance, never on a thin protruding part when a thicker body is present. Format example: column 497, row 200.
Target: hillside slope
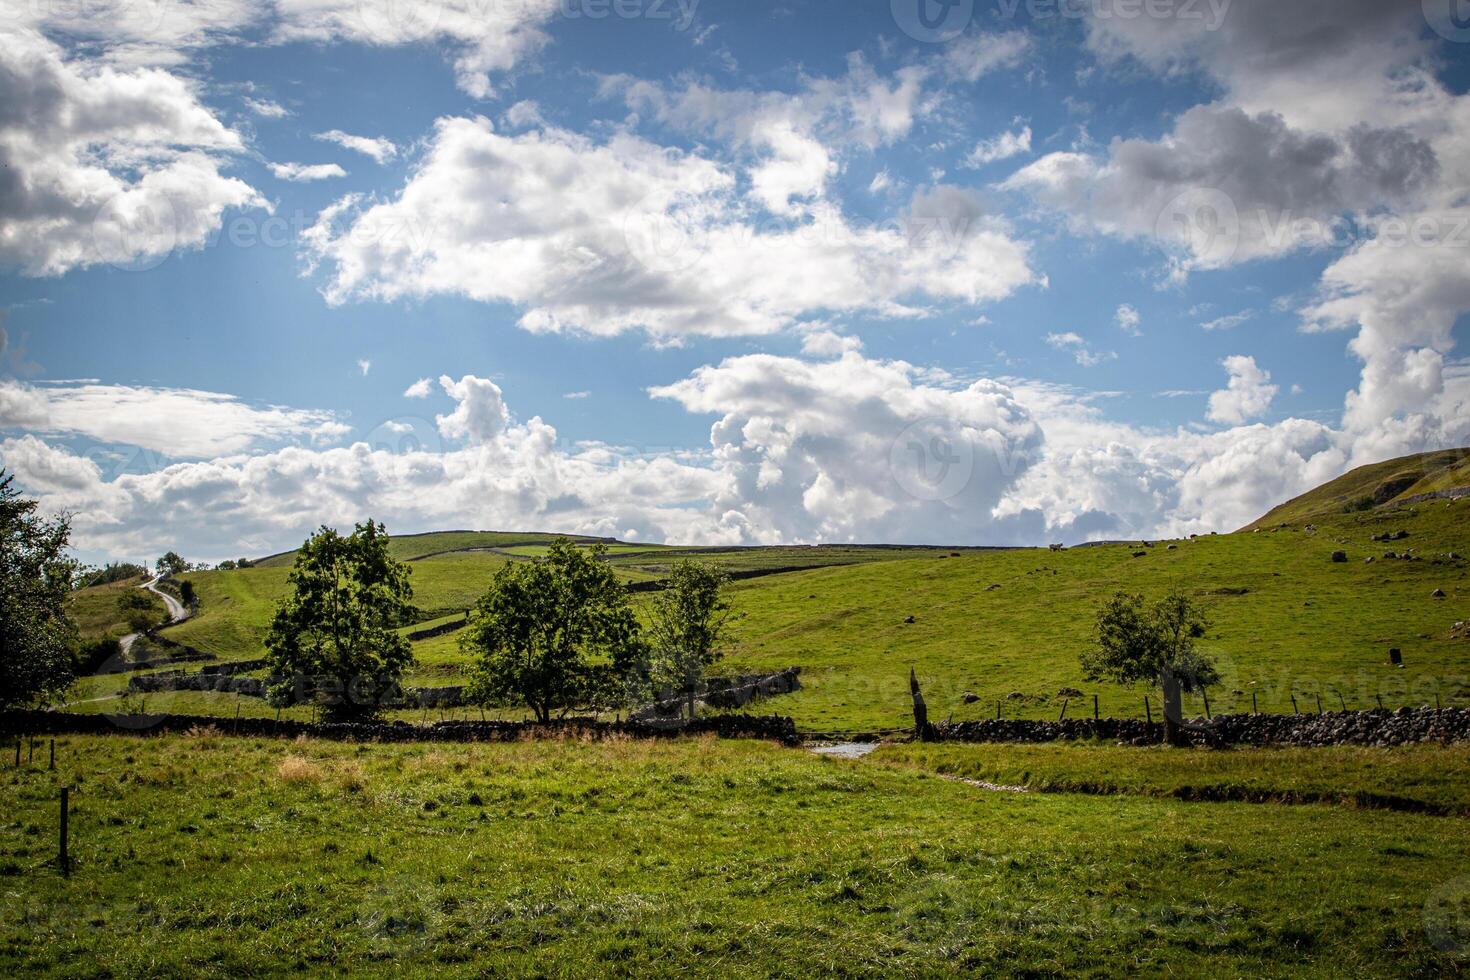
column 1376, row 485
column 1007, row 627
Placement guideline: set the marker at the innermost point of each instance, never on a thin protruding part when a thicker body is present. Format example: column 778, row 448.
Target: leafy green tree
column 37, row 639
column 1154, row 645
column 138, row 610
column 171, row 564
column 332, row 639
column 687, row 624
column 555, row 634
column 187, row 595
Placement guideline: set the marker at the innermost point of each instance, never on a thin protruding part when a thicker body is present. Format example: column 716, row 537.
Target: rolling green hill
column 1007, row 626
column 1376, row 485
column 412, row 547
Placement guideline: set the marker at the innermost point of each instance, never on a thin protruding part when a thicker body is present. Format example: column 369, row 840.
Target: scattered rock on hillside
column 1140, row 554
column 1340, row 557
column 991, row 588
column 909, row 620
column 970, row 697
column 1438, row 594
column 1069, row 692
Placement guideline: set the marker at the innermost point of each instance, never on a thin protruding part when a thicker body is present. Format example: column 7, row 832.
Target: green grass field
column 1433, row 777
column 209, row 856
column 1007, row 626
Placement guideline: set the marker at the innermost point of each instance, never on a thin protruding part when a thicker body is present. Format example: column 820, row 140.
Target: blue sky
column 1146, row 384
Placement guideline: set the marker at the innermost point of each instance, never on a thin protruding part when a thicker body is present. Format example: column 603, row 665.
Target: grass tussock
column 296, row 770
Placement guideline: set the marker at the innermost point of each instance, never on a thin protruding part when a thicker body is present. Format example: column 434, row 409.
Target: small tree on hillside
column 138, row 610
column 333, row 639
column 553, row 634
column 36, row 637
column 1154, row 645
column 687, row 624
column 172, row 564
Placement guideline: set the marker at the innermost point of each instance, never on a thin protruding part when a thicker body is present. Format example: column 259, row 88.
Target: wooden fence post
column 63, row 858
column 997, row 711
column 1254, row 709
column 1206, row 695
column 52, row 767
column 1095, row 715
column 1294, row 709
column 1380, row 701
column 1148, row 711
column 1342, row 701
column 1064, row 710
column 1319, row 704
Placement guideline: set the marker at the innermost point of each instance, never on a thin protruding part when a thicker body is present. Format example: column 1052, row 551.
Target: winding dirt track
column 176, row 612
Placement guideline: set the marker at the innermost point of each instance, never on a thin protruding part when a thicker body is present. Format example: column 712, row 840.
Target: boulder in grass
column 1340, row 557
column 1438, row 594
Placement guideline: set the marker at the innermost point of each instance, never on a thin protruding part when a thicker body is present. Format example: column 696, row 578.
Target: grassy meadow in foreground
column 208, row 856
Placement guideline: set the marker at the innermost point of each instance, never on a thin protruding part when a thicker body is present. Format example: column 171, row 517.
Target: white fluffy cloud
column 1248, row 395
column 1081, row 352
column 103, row 164
column 381, row 150
column 604, row 237
column 177, row 422
column 1333, row 133
column 1128, row 319
column 484, row 38
column 1001, row 147
column 843, row 449
column 480, row 415
column 305, row 173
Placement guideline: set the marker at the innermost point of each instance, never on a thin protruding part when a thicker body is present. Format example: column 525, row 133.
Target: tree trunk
column 1173, row 709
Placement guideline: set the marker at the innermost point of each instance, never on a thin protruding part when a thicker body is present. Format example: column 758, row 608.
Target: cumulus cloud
column 844, row 449
column 1001, row 147
column 304, row 173
column 1226, row 186
column 178, row 422
column 267, row 109
column 422, row 388
column 484, row 38
column 1128, row 319
column 1332, row 132
column 381, row 150
column 480, row 415
column 1073, row 344
column 104, row 164
column 605, row 237
column 1248, row 396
